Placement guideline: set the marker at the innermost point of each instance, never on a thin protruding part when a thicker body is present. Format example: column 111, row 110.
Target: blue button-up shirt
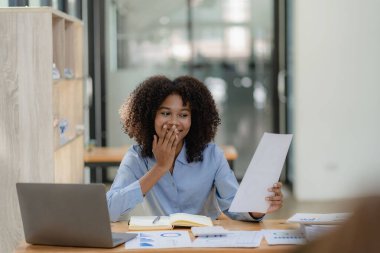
column 206, row 187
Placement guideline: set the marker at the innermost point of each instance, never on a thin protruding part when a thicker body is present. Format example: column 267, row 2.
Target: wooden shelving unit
column 43, row 117
column 32, row 105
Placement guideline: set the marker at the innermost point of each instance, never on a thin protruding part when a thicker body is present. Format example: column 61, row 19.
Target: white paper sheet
column 209, row 231
column 276, row 237
column 160, row 240
column 319, row 218
column 234, row 239
column 313, row 232
column 263, row 171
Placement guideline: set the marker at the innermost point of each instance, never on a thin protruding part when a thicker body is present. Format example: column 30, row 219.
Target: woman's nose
column 173, row 120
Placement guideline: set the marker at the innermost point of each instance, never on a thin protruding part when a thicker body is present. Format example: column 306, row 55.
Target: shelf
column 67, row 110
column 62, row 81
column 70, row 140
column 67, row 157
column 67, row 46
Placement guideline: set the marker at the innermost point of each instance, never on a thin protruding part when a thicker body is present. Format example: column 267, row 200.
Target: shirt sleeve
column 226, row 188
column 125, row 192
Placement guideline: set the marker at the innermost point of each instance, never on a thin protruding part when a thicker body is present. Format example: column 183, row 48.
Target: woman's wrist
column 256, row 216
column 160, row 168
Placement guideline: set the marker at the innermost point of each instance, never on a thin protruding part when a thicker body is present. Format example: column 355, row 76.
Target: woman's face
column 171, row 113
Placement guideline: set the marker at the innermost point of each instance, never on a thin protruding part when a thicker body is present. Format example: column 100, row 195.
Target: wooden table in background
column 228, row 224
column 102, row 157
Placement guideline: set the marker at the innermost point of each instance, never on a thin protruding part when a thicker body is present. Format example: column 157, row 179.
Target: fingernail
column 165, row 126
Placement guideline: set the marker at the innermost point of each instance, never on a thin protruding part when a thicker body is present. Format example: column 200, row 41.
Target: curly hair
column 138, row 113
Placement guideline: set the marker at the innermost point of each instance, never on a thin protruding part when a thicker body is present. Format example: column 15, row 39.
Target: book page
column 190, row 220
column 147, row 223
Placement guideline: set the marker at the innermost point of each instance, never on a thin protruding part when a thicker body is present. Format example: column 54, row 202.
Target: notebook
column 67, row 215
column 168, row 222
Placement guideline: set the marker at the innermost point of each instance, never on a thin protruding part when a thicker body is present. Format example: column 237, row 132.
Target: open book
column 168, row 222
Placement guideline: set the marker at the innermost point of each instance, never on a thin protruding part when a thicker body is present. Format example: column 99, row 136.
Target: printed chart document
column 168, row 222
column 276, row 237
column 234, row 239
column 319, row 218
column 160, row 240
column 263, row 171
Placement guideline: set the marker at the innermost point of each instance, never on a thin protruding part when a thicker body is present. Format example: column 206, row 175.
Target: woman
column 174, row 165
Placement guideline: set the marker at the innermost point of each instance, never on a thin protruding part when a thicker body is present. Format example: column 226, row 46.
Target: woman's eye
column 165, row 113
column 183, row 115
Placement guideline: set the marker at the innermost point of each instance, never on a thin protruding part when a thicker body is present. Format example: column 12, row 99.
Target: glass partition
column 226, row 43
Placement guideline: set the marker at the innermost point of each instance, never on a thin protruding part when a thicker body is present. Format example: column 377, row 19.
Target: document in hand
column 263, row 171
column 168, row 222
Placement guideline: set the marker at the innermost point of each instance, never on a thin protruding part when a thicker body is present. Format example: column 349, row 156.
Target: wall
column 337, row 98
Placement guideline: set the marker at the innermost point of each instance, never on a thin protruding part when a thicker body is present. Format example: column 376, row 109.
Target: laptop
column 67, row 215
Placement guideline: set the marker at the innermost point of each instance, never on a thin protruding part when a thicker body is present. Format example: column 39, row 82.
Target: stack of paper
column 313, row 225
column 312, row 232
column 319, row 218
column 181, row 239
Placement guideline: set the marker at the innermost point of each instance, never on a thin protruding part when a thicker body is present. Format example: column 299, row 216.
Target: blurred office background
column 301, row 67
column 309, row 68
column 227, row 44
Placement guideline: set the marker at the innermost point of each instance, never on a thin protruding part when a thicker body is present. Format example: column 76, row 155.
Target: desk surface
column 228, row 224
column 116, row 154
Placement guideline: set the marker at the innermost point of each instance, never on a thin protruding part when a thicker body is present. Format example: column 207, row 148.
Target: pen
column 156, row 219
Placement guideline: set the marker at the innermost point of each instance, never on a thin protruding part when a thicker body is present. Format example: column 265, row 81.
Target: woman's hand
column 164, row 148
column 164, row 151
column 276, row 198
column 275, row 201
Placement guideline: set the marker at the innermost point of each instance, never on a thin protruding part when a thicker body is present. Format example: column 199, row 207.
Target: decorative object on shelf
column 56, row 74
column 68, row 73
column 79, row 129
column 62, row 127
